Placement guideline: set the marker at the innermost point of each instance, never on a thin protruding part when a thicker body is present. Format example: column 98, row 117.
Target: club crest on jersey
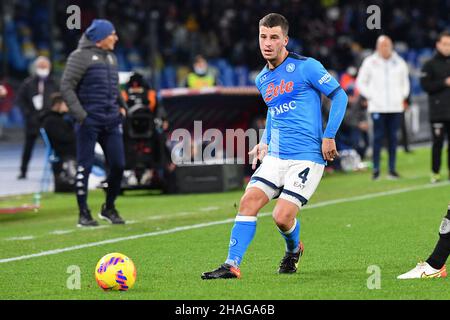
column 290, row 67
column 276, row 90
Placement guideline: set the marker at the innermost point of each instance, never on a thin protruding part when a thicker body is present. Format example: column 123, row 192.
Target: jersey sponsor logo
column 283, row 108
column 326, row 78
column 273, row 91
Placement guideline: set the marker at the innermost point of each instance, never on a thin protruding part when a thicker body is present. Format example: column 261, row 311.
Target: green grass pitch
column 350, row 224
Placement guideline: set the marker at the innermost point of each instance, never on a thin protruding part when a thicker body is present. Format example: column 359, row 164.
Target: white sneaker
column 424, row 270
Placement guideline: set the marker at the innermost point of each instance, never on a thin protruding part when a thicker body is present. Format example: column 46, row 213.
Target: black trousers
column 111, row 141
column 30, row 140
column 439, row 130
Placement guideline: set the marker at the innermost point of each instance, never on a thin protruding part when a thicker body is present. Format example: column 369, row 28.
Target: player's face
column 443, row 46
column 272, row 42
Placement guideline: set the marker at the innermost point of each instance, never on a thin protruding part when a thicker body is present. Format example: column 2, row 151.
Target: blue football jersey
column 292, row 93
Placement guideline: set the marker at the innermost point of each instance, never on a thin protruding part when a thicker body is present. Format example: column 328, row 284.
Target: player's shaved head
column 384, row 46
column 274, row 20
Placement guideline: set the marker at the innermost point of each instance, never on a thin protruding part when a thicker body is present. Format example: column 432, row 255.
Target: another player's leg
column 434, row 267
column 112, row 144
column 86, row 140
column 301, row 181
column 242, row 234
column 289, row 227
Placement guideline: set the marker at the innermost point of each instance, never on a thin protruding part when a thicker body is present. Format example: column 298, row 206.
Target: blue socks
column 292, row 237
column 241, row 235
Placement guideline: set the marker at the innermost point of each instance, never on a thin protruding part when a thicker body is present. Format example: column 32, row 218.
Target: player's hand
column 258, row 152
column 329, row 151
column 123, row 112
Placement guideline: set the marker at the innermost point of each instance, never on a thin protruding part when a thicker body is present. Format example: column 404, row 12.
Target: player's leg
column 260, row 190
column 442, row 250
column 301, row 181
column 86, row 138
column 434, row 267
column 378, row 134
column 111, row 141
column 284, row 215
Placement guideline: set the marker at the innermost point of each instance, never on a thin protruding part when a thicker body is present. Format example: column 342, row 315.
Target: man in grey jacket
column 90, row 87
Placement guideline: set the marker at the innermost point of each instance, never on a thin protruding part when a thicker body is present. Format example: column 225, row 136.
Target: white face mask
column 200, row 70
column 42, row 72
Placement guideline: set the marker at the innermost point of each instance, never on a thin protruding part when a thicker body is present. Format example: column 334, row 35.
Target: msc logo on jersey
column 326, row 78
column 282, row 108
column 276, row 90
column 290, row 67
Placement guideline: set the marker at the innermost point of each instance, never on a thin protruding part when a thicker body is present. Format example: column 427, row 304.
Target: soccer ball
column 115, row 271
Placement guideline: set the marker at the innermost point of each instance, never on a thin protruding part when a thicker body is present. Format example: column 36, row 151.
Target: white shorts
column 292, row 180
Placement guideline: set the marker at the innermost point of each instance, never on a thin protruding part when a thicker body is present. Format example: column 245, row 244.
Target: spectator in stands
column 436, row 82
column 60, row 131
column 383, row 81
column 201, row 75
column 33, row 98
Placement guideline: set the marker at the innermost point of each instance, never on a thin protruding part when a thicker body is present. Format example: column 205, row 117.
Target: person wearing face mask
column 201, row 76
column 34, row 101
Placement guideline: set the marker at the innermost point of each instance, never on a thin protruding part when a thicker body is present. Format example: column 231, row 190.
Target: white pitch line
column 213, row 223
column 60, row 232
column 24, row 238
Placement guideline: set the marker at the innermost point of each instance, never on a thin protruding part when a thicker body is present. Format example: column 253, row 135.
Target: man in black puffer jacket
column 90, row 87
column 435, row 81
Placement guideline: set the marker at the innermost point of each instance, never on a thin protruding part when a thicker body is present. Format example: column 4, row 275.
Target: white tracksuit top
column 384, row 83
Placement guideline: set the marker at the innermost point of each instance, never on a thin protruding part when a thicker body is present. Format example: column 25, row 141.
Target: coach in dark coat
column 436, row 82
column 90, row 87
column 33, row 99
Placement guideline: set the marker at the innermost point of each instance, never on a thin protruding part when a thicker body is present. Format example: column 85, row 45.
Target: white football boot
column 424, row 270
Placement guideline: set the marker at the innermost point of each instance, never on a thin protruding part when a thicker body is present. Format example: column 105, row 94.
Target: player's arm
column 73, row 72
column 260, row 150
column 265, row 138
column 320, row 79
column 337, row 113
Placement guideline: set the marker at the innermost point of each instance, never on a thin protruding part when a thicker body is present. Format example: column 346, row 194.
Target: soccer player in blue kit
column 293, row 149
